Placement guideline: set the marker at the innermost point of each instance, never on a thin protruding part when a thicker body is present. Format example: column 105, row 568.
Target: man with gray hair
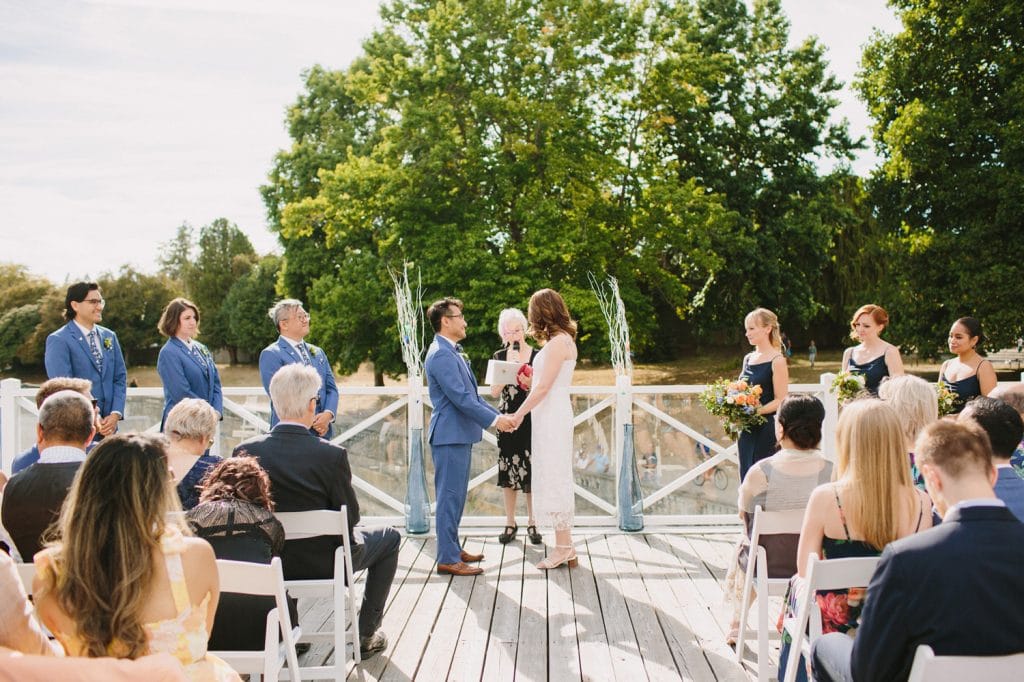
column 292, row 323
column 307, row 473
column 33, row 497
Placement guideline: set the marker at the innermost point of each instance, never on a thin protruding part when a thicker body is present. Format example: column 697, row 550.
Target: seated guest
column 1013, row 395
column 783, row 481
column 32, row 499
column 124, row 578
column 306, row 473
column 48, row 388
column 235, row 515
column 913, row 398
column 19, row 630
column 190, row 426
column 1004, row 428
column 871, row 503
column 948, row 587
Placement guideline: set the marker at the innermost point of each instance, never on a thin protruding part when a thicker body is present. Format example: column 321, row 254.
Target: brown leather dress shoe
column 461, row 568
column 470, row 558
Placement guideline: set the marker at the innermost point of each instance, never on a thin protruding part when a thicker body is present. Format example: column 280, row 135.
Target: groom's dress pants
column 451, row 479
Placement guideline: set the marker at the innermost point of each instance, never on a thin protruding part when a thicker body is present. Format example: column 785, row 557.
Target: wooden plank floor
column 639, row 607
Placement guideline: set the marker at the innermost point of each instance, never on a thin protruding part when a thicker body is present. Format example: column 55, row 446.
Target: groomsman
column 85, row 350
column 292, row 323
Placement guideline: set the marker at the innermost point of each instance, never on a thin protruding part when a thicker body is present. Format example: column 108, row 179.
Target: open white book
column 500, row 372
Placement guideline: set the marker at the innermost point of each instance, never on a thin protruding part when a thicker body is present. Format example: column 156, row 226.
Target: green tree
column 135, row 301
column 175, row 257
column 225, row 255
column 16, row 326
column 18, row 287
column 947, row 97
column 246, row 306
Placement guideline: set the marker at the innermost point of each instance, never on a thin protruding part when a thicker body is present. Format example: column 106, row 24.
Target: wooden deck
column 639, row 607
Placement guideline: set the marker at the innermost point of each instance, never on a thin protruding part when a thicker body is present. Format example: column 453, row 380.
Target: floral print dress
column 514, row 447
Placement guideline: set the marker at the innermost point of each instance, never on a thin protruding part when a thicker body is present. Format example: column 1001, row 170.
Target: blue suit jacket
column 460, row 414
column 280, row 353
column 951, row 587
column 185, row 376
column 68, row 355
column 1010, row 489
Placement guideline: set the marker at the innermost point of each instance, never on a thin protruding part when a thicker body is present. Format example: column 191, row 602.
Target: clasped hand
column 508, row 422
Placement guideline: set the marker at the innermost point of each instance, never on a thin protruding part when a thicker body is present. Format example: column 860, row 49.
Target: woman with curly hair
column 235, row 515
column 124, row 578
column 872, row 358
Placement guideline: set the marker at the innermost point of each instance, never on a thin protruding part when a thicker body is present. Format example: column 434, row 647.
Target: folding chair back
column 266, row 580
column 928, row 666
column 341, row 587
column 765, row 523
column 829, row 574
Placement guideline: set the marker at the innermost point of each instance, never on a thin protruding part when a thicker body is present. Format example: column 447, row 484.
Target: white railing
column 686, row 469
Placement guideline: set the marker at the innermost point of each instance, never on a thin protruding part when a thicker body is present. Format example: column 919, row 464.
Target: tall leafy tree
column 247, row 303
column 135, row 301
column 225, row 255
column 947, row 97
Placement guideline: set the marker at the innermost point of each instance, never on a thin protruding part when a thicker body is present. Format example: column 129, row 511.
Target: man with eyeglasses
column 292, row 323
column 85, row 350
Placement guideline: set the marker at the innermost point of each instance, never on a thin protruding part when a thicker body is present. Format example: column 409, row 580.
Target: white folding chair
column 244, row 577
column 308, row 524
column 765, row 523
column 829, row 574
column 27, row 573
column 928, row 666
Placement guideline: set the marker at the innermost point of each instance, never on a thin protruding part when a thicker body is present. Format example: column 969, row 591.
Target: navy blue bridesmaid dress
column 759, row 442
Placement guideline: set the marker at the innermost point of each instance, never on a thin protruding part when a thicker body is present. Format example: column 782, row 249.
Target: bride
column 553, row 497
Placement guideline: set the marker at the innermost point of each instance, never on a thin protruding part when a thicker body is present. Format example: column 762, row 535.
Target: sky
column 122, row 119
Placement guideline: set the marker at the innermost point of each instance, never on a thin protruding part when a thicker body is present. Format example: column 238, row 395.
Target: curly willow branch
column 614, row 311
column 410, row 319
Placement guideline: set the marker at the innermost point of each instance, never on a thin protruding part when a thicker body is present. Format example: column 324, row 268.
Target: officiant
column 514, row 446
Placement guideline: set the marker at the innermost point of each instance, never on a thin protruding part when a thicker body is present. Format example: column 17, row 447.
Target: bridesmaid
column 872, row 358
column 765, row 366
column 968, row 374
column 185, row 366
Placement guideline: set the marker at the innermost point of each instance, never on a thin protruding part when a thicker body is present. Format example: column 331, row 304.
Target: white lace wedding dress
column 551, row 456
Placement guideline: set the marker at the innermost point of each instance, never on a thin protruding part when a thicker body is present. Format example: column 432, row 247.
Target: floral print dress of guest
column 514, row 469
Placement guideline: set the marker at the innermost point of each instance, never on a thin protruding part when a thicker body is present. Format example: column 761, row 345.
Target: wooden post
column 8, row 423
column 828, row 427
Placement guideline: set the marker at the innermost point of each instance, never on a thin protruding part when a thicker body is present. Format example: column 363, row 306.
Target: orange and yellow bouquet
column 736, row 402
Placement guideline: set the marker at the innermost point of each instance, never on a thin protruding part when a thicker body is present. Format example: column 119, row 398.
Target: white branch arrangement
column 409, row 305
column 614, row 311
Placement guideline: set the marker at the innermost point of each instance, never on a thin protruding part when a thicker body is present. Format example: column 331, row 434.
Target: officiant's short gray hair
column 282, row 310
column 291, row 389
column 510, row 316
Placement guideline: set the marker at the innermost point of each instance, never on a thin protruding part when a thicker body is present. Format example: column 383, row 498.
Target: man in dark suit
column 459, row 418
column 306, row 473
column 84, row 349
column 1004, row 428
column 32, row 499
column 292, row 323
column 46, row 389
column 953, row 587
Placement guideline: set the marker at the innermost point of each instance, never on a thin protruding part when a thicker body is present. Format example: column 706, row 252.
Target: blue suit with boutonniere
column 281, row 353
column 460, row 415
column 68, row 355
column 188, row 374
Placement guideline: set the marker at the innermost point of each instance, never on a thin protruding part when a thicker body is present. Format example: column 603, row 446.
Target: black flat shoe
column 508, row 534
column 535, row 538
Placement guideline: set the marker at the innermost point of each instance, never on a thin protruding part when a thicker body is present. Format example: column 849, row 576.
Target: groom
column 459, row 418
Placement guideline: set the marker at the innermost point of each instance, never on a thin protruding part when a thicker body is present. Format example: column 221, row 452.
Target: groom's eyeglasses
column 458, row 315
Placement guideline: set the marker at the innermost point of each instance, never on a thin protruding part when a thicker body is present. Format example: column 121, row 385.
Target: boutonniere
column 463, row 355
column 313, row 352
column 204, row 351
column 108, row 343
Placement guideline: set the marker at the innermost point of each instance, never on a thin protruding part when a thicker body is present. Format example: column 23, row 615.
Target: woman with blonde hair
column 872, row 358
column 766, row 367
column 190, row 427
column 124, row 578
column 871, row 503
column 551, row 455
column 915, row 402
column 514, row 447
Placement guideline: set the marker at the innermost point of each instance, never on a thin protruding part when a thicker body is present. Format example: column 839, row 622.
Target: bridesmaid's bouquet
column 848, row 386
column 736, row 402
column 947, row 398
